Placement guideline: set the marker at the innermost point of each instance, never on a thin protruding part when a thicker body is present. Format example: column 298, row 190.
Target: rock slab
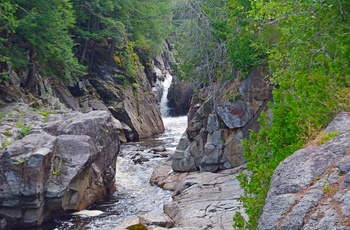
column 205, row 200
column 310, row 189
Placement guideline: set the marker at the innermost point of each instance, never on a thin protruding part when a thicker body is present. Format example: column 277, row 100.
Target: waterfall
column 164, row 109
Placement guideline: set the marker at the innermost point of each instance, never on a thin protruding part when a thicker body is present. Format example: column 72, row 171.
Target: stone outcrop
column 200, row 200
column 310, row 189
column 107, row 87
column 219, row 122
column 51, row 163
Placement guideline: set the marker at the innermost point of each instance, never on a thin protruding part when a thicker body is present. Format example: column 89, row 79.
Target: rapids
column 134, row 195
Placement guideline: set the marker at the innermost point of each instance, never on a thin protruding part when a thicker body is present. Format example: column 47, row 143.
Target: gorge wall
column 59, row 141
column 219, row 119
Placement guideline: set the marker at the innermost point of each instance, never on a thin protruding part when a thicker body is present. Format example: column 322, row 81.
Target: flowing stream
column 134, row 195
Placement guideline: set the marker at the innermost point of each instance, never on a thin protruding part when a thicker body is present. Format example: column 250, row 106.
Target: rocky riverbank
column 200, row 200
column 52, row 163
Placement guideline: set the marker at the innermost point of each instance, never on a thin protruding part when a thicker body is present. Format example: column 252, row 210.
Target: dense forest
column 59, row 37
column 305, row 46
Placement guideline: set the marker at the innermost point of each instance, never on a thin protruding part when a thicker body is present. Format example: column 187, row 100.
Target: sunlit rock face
column 310, row 189
column 220, row 117
column 65, row 162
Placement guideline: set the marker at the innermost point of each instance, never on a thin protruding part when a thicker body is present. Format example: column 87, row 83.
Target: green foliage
column 8, row 133
column 310, row 68
column 135, row 86
column 121, row 78
column 36, row 35
column 324, row 137
column 137, row 227
column 145, row 23
column 5, row 143
column 19, row 162
column 8, row 24
column 45, row 114
column 239, row 222
column 201, row 30
column 129, row 61
column 24, row 130
column 149, row 24
column 43, row 26
column 57, row 171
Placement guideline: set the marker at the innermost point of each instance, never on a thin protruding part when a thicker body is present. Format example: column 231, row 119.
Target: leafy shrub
column 24, row 130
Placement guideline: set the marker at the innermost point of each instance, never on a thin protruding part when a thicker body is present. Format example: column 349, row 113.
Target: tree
column 310, row 67
column 43, row 35
column 201, row 39
column 8, row 24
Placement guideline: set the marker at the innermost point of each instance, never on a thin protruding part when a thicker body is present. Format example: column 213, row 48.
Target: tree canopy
column 59, row 37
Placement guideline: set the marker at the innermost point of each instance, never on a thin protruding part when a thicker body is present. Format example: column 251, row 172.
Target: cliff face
column 217, row 125
column 310, row 189
column 107, row 87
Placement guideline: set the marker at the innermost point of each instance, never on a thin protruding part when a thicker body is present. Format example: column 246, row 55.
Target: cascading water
column 134, row 195
column 164, row 109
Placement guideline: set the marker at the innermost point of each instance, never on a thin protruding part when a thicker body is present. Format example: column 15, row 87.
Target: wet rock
column 159, row 149
column 66, row 162
column 140, row 160
column 147, row 221
column 309, row 189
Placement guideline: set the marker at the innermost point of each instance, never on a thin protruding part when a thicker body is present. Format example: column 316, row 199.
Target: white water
column 134, row 195
column 164, row 109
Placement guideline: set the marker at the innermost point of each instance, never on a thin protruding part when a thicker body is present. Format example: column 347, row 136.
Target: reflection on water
column 134, row 194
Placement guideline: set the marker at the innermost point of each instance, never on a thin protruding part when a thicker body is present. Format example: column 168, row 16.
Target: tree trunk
column 86, row 41
column 31, row 72
column 92, row 56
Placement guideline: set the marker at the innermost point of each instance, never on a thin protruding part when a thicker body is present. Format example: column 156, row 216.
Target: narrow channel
column 134, row 195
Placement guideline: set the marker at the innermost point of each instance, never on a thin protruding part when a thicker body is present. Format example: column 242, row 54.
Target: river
column 134, row 195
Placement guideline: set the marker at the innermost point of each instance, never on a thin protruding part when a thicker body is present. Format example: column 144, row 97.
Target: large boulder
column 310, row 189
column 220, row 117
column 65, row 161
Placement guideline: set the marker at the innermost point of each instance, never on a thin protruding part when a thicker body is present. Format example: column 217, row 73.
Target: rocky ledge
column 310, row 189
column 51, row 163
column 200, row 200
